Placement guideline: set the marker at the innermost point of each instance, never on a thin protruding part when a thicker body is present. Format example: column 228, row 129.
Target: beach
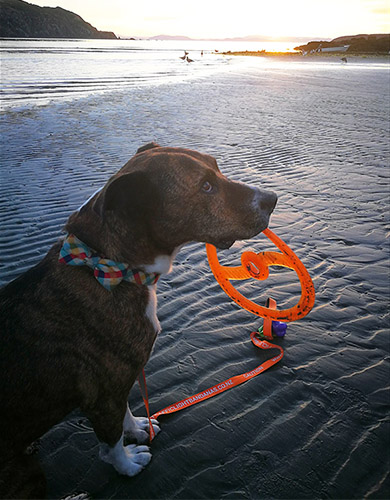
column 316, row 425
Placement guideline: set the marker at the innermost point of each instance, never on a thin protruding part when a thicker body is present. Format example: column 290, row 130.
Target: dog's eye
column 207, row 187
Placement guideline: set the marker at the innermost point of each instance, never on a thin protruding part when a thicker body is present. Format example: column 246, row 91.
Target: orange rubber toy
column 255, row 265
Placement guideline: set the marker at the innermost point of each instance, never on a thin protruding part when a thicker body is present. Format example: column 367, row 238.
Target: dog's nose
column 268, row 201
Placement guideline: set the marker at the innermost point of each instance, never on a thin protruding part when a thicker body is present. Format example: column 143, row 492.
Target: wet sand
column 315, row 425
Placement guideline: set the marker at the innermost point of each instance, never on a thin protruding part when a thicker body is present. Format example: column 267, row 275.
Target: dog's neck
column 131, row 246
column 163, row 263
column 108, row 273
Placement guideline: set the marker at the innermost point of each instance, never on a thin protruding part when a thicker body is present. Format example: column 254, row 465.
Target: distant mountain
column 20, row 19
column 250, row 38
column 169, row 37
column 261, row 38
column 363, row 44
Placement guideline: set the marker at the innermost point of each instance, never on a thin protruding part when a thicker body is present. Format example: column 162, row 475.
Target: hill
column 19, row 19
column 249, row 38
column 363, row 44
column 169, row 37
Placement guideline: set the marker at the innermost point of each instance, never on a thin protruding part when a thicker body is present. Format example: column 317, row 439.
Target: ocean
column 41, row 71
column 37, row 72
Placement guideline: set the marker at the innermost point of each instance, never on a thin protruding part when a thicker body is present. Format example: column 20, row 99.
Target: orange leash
column 222, row 386
column 267, row 324
column 227, row 384
column 144, row 393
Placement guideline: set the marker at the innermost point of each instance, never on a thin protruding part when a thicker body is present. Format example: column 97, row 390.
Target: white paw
column 143, row 425
column 127, row 460
column 138, row 430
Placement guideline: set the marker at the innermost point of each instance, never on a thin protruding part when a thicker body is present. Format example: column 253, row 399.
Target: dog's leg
column 107, row 422
column 137, row 428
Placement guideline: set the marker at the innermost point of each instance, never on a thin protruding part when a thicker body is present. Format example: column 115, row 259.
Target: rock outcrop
column 364, row 44
column 20, row 19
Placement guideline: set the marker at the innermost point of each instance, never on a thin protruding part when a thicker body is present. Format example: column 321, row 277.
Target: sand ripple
column 314, row 426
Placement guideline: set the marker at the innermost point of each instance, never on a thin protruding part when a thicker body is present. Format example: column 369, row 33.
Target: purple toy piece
column 279, row 328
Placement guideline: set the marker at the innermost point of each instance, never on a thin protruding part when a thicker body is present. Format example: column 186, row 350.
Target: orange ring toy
column 255, row 265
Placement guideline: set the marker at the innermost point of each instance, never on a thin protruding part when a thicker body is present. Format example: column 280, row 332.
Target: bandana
column 108, row 272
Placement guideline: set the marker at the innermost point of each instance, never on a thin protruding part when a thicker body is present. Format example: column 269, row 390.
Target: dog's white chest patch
column 161, row 265
column 151, row 309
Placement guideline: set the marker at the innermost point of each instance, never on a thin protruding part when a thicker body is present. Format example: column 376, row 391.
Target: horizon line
column 248, row 38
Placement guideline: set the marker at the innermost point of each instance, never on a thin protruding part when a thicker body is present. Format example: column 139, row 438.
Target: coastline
column 315, row 56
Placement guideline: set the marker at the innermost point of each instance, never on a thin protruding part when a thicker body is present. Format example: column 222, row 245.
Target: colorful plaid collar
column 108, row 272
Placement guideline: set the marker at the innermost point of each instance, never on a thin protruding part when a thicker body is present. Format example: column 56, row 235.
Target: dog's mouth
column 226, row 243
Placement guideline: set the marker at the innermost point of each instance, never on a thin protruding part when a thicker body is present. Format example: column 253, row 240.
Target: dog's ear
column 150, row 145
column 129, row 194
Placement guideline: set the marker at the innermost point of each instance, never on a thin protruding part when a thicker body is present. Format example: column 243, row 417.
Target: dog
column 78, row 328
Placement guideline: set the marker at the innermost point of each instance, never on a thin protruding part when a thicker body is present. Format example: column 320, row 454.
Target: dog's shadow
column 69, row 457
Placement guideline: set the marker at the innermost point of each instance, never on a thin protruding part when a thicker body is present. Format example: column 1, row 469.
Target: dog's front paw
column 127, row 460
column 137, row 457
column 139, row 431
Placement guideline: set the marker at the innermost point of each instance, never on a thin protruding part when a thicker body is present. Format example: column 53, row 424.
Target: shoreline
column 300, row 56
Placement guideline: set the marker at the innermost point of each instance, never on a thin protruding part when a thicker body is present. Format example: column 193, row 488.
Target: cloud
column 383, row 11
column 379, row 7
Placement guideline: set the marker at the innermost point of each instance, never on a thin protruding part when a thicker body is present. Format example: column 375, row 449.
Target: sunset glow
column 218, row 19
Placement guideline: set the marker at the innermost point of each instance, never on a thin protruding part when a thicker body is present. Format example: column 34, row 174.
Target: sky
column 290, row 19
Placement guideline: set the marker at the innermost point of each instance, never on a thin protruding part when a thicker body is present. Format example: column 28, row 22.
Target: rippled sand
column 315, row 425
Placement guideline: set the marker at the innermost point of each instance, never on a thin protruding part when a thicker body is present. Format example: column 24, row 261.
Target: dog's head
column 180, row 195
column 170, row 196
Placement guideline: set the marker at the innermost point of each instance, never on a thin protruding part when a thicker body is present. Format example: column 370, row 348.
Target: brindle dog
column 67, row 342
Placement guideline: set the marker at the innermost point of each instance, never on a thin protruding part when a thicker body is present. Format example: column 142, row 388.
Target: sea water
column 40, row 71
column 37, row 71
